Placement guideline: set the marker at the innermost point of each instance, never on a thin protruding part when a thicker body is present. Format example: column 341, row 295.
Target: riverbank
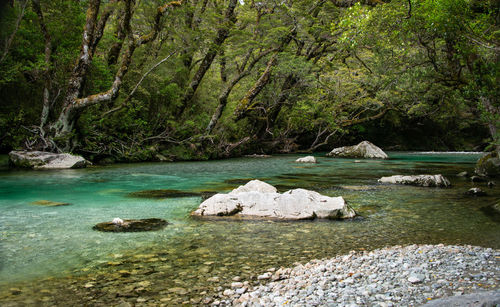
column 394, row 276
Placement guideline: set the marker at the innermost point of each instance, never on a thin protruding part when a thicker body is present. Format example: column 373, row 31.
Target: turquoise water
column 39, row 242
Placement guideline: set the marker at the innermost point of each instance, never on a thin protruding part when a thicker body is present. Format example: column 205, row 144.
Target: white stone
column 255, row 186
column 419, row 180
column 414, row 279
column 364, row 149
column 46, row 160
column 265, row 202
column 236, row 284
column 308, row 159
column 266, row 275
column 117, row 221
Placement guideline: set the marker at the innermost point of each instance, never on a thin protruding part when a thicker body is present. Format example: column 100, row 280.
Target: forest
column 132, row 80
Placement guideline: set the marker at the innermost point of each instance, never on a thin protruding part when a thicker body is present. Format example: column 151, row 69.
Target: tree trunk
column 222, row 34
column 492, row 122
column 9, row 41
column 48, row 81
column 73, row 105
column 116, row 47
column 243, row 72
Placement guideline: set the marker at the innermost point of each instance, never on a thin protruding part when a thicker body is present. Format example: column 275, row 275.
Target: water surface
column 58, row 242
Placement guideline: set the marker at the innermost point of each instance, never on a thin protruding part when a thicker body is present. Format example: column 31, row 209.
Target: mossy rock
column 49, row 203
column 132, row 225
column 489, row 165
column 492, row 211
column 159, row 194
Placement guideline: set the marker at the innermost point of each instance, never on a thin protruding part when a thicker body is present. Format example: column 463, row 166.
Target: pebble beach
column 396, row 276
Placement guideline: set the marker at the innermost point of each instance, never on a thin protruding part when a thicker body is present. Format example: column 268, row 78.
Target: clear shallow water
column 38, row 242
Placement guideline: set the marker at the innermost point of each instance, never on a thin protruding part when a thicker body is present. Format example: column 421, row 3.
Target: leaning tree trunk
column 222, row 34
column 245, row 71
column 73, row 105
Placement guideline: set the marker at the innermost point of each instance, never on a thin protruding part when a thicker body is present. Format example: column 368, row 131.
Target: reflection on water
column 39, row 242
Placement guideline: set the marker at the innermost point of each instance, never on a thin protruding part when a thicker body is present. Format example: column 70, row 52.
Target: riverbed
column 51, row 255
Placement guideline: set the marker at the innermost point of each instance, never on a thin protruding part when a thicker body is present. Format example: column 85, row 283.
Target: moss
column 49, row 203
column 162, row 194
column 489, row 165
column 132, row 225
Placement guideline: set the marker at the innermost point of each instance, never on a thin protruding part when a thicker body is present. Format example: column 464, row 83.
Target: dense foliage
column 199, row 79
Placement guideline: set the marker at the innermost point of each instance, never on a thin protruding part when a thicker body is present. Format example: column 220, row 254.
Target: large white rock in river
column 364, row 149
column 46, row 160
column 308, row 159
column 259, row 199
column 419, row 180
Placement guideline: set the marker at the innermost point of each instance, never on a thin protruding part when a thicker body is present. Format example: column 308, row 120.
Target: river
column 51, row 254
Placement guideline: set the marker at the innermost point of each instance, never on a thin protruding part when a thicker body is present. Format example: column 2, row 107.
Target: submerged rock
column 46, row 160
column 119, row 225
column 475, row 192
column 257, row 156
column 419, row 180
column 308, row 159
column 49, row 203
column 162, row 194
column 364, row 149
column 489, row 165
column 463, row 174
column 477, row 179
column 259, row 199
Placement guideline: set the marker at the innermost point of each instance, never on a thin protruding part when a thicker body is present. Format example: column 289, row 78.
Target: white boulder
column 364, row 149
column 308, row 159
column 259, row 199
column 419, row 180
column 46, row 160
column 255, row 186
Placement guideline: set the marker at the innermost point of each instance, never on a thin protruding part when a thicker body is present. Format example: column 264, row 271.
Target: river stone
column 308, row 159
column 46, row 160
column 259, row 199
column 49, row 203
column 419, row 180
column 158, row 194
column 131, row 225
column 364, row 149
column 477, row 179
column 478, row 299
column 255, row 186
column 475, row 192
column 489, row 165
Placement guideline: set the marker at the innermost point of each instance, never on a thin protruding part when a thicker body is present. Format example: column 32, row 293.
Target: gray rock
column 489, row 165
column 46, row 160
column 259, row 199
column 364, row 149
column 475, row 192
column 463, row 174
column 477, row 179
column 480, row 299
column 418, row 180
column 308, row 159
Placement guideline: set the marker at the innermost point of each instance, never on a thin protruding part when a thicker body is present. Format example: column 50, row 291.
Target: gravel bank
column 396, row 276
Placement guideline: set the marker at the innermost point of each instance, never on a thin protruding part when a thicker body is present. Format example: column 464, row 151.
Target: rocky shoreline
column 395, row 276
